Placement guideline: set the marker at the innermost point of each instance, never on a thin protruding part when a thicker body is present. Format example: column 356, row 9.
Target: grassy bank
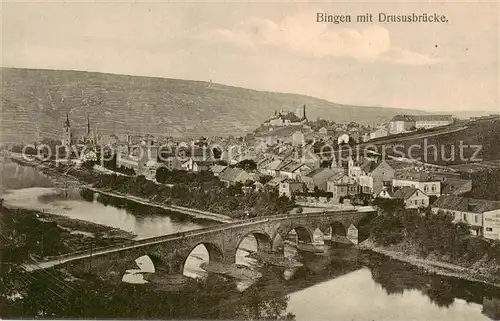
column 29, row 234
column 437, row 265
column 434, row 242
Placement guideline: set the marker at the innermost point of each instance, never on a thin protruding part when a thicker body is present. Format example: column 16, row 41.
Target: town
column 287, row 154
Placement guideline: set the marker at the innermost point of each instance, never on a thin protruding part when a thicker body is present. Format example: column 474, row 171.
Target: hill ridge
column 35, row 102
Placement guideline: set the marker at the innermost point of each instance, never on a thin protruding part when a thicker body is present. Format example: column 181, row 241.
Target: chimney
column 304, row 111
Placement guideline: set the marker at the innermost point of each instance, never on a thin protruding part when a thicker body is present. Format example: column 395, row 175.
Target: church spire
column 66, row 123
column 88, row 124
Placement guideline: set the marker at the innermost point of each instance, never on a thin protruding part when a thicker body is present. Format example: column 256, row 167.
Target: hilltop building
column 73, row 136
column 404, row 123
column 283, row 118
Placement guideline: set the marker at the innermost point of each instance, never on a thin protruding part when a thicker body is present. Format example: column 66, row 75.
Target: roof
column 290, row 166
column 204, row 162
column 261, row 161
column 342, row 179
column 317, row 171
column 387, row 192
column 217, row 168
column 406, row 192
column 274, row 165
column 407, row 118
column 465, row 204
column 368, row 166
column 433, row 118
column 231, row 174
column 292, row 182
column 453, row 184
column 276, row 181
column 282, row 131
column 413, row 118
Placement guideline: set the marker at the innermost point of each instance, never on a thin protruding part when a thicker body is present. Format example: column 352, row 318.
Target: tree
column 265, row 179
column 161, row 174
column 88, row 164
column 247, row 164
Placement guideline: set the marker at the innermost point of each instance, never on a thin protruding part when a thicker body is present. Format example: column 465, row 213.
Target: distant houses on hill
column 404, row 123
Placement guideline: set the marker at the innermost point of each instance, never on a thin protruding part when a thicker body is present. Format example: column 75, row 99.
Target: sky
column 275, row 46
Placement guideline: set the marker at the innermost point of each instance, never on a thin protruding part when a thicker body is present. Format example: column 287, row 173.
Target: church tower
column 66, row 139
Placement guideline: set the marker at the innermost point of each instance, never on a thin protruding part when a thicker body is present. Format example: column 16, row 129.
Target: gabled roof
column 342, row 179
column 390, row 194
column 217, row 168
column 291, row 166
column 232, row 174
column 406, row 118
column 261, row 161
column 369, row 166
column 316, row 171
column 465, row 204
column 453, row 184
column 274, row 165
column 406, row 192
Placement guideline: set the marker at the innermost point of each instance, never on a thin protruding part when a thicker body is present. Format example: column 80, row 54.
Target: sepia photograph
column 250, row 160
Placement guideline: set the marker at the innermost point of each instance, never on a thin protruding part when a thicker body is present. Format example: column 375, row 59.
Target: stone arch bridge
column 221, row 241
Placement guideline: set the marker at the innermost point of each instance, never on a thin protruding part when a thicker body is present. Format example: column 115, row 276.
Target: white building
column 418, row 179
column 412, row 197
column 381, row 132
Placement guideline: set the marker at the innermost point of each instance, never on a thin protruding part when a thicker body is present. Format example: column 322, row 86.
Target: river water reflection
column 25, row 187
column 342, row 284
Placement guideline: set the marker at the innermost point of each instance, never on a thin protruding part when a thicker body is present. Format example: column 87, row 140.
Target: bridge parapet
column 223, row 240
column 200, row 231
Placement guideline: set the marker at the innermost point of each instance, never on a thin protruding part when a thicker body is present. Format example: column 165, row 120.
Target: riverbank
column 39, row 234
column 65, row 180
column 433, row 265
column 184, row 210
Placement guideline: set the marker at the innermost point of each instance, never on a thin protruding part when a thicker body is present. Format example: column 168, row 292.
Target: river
column 341, row 284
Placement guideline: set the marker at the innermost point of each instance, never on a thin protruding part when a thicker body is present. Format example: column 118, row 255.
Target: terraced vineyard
column 34, row 104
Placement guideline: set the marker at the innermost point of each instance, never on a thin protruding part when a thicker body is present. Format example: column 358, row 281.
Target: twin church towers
column 73, row 136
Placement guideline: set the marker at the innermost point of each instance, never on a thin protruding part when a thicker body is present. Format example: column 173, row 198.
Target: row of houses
column 482, row 216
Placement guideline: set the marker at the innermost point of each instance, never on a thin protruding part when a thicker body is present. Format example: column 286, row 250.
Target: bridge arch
column 215, row 254
column 245, row 246
column 303, row 234
column 264, row 242
column 337, row 228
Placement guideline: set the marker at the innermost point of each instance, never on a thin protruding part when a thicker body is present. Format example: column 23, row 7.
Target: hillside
column 35, row 102
column 479, row 136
